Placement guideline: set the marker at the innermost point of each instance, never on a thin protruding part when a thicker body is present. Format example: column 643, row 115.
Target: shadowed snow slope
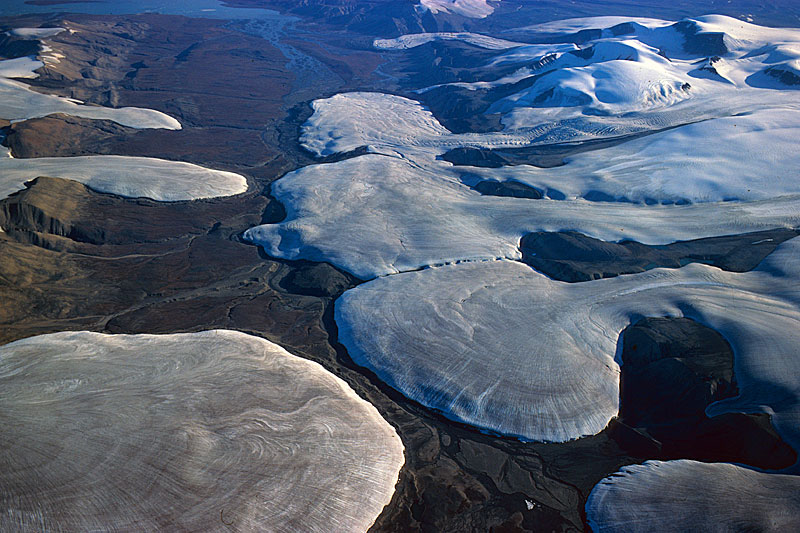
column 502, row 347
column 159, row 179
column 19, row 102
column 681, row 496
column 211, row 431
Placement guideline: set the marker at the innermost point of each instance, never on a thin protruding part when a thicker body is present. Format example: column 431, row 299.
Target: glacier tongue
column 677, row 496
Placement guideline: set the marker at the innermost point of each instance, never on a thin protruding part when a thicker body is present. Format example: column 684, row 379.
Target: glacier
column 146, row 432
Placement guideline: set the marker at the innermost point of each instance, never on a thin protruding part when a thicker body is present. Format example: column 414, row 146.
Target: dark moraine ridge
column 573, row 257
column 511, row 189
column 672, row 369
column 317, row 279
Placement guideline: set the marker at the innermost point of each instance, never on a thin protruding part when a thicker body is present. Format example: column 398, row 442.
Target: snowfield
column 704, row 154
column 159, row 179
column 407, row 216
column 210, row 431
column 476, row 9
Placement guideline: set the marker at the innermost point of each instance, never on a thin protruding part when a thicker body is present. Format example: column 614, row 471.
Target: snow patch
column 35, row 33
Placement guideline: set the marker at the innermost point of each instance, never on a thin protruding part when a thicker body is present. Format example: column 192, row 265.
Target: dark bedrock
column 573, row 257
column 672, row 369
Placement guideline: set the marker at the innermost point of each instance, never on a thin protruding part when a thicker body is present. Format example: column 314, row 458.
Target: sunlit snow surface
column 375, row 215
column 500, row 346
column 159, row 179
column 723, row 143
column 477, row 9
column 678, row 496
column 211, row 431
column 19, row 102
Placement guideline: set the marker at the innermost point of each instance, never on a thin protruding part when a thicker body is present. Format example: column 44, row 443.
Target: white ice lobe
column 212, row 431
column 677, row 496
column 20, row 67
column 376, row 214
column 501, row 347
column 19, row 102
column 35, row 33
column 133, row 177
column 348, row 121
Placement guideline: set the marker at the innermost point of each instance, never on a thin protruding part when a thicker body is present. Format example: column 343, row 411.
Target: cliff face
column 62, row 214
column 61, row 135
column 50, row 206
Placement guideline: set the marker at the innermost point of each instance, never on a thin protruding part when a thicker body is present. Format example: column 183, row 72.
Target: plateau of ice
column 499, row 346
column 676, row 496
column 715, row 157
column 209, row 431
column 703, row 151
column 132, row 177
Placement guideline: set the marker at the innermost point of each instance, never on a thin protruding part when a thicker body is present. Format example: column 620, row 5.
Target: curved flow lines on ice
column 502, row 347
column 211, row 431
column 676, row 496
